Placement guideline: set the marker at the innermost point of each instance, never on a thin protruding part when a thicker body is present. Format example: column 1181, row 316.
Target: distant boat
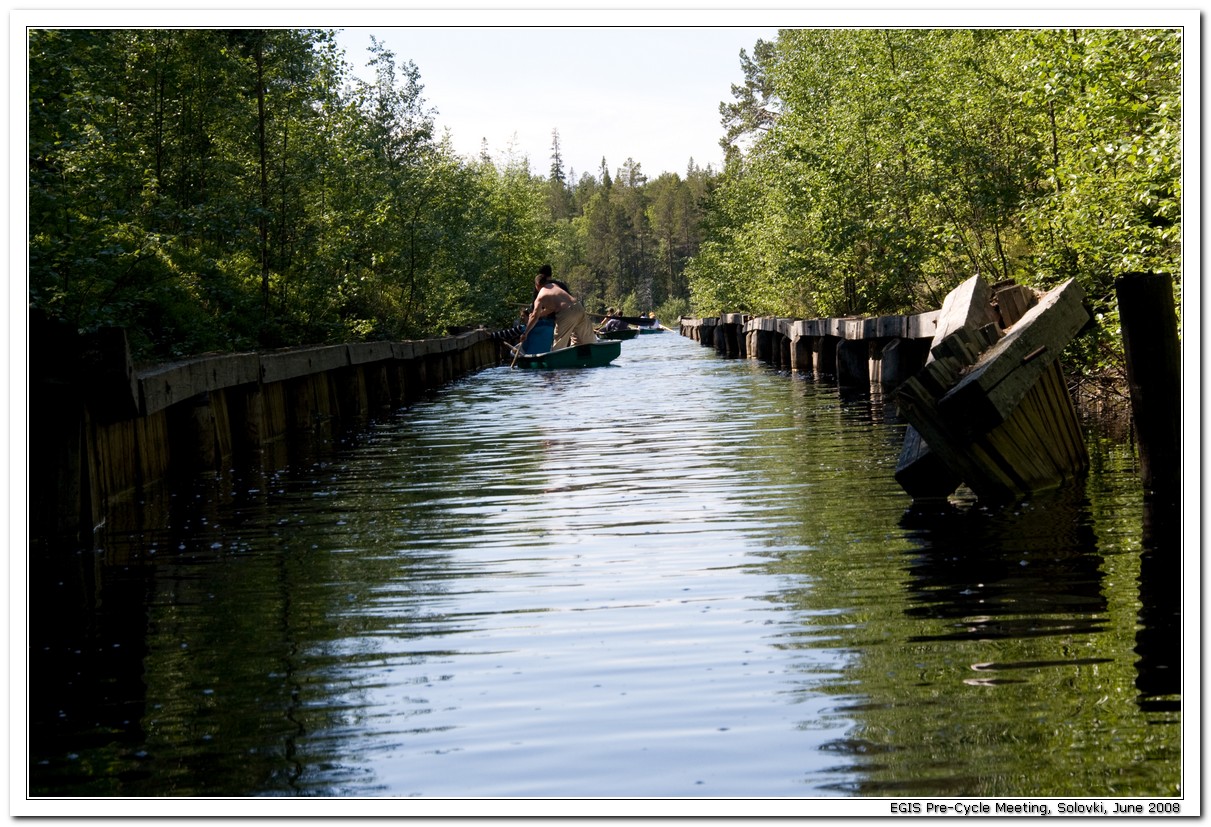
column 636, row 321
column 591, row 355
column 651, row 330
column 620, row 335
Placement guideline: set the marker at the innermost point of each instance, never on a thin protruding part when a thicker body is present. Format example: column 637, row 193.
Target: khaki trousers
column 573, row 327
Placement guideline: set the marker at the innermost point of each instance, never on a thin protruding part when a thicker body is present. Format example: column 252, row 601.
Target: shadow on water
column 444, row 608
column 1024, row 571
column 1159, row 639
column 1015, row 628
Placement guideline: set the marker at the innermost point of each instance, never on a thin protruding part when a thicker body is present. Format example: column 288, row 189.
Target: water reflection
column 680, row 576
column 1159, row 639
column 1023, row 571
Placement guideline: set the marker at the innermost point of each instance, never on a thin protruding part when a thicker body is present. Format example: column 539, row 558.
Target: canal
column 676, row 576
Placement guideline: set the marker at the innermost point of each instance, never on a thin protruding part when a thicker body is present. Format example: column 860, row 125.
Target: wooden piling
column 853, row 358
column 919, row 471
column 995, row 411
column 113, row 439
column 1153, row 354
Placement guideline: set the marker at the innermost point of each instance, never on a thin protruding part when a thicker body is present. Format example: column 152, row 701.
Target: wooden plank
column 290, row 364
column 1012, row 301
column 922, row 325
column 968, row 305
column 891, row 327
column 361, row 353
column 964, row 344
column 834, row 327
column 921, row 473
column 166, row 385
column 1006, row 372
column 1020, row 440
column 814, row 327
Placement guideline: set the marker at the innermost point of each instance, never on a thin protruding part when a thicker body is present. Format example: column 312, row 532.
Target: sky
column 645, row 93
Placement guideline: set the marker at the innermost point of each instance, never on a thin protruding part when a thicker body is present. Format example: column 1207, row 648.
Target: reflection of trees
column 982, row 652
column 229, row 645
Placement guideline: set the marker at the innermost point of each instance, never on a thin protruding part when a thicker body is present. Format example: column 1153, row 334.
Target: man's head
column 544, row 275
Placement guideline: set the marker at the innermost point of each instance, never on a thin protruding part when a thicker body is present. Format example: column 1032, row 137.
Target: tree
column 559, row 197
column 754, row 108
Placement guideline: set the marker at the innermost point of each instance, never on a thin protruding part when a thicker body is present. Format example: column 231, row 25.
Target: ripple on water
column 677, row 576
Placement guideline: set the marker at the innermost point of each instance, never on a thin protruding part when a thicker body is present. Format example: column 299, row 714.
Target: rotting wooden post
column 853, row 357
column 995, row 410
column 919, row 471
column 826, row 355
column 900, row 359
column 761, row 349
column 1150, row 342
column 801, row 354
column 986, row 395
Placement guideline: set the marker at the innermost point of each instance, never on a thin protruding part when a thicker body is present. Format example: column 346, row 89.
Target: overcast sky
column 642, row 92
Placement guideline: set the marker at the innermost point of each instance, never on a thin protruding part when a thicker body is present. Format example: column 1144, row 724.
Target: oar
column 516, row 353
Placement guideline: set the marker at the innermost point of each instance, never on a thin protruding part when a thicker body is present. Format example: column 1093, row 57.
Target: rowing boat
column 591, row 355
column 620, row 335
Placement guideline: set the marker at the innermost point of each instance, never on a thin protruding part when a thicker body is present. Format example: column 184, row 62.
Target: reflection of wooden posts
column 1158, row 637
column 1150, row 343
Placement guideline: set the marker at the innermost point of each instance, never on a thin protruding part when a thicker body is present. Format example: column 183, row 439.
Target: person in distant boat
column 612, row 322
column 572, row 324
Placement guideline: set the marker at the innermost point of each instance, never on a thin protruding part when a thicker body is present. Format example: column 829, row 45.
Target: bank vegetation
column 214, row 190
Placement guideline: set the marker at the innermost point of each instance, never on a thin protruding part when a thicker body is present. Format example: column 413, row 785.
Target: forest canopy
column 236, row 189
column 884, row 166
column 215, row 190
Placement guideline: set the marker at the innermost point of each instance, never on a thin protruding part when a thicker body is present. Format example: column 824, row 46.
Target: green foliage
column 886, row 166
column 1107, row 105
column 217, row 190
column 235, row 189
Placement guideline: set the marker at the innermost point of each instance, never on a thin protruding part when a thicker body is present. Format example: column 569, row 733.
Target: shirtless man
column 572, row 324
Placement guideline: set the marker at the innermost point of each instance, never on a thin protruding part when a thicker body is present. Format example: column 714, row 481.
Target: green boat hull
column 592, row 355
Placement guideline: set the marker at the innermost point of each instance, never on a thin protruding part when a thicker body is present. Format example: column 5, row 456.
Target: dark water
column 677, row 576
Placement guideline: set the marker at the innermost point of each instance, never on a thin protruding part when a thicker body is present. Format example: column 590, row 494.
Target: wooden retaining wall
column 877, row 350
column 979, row 381
column 103, row 434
